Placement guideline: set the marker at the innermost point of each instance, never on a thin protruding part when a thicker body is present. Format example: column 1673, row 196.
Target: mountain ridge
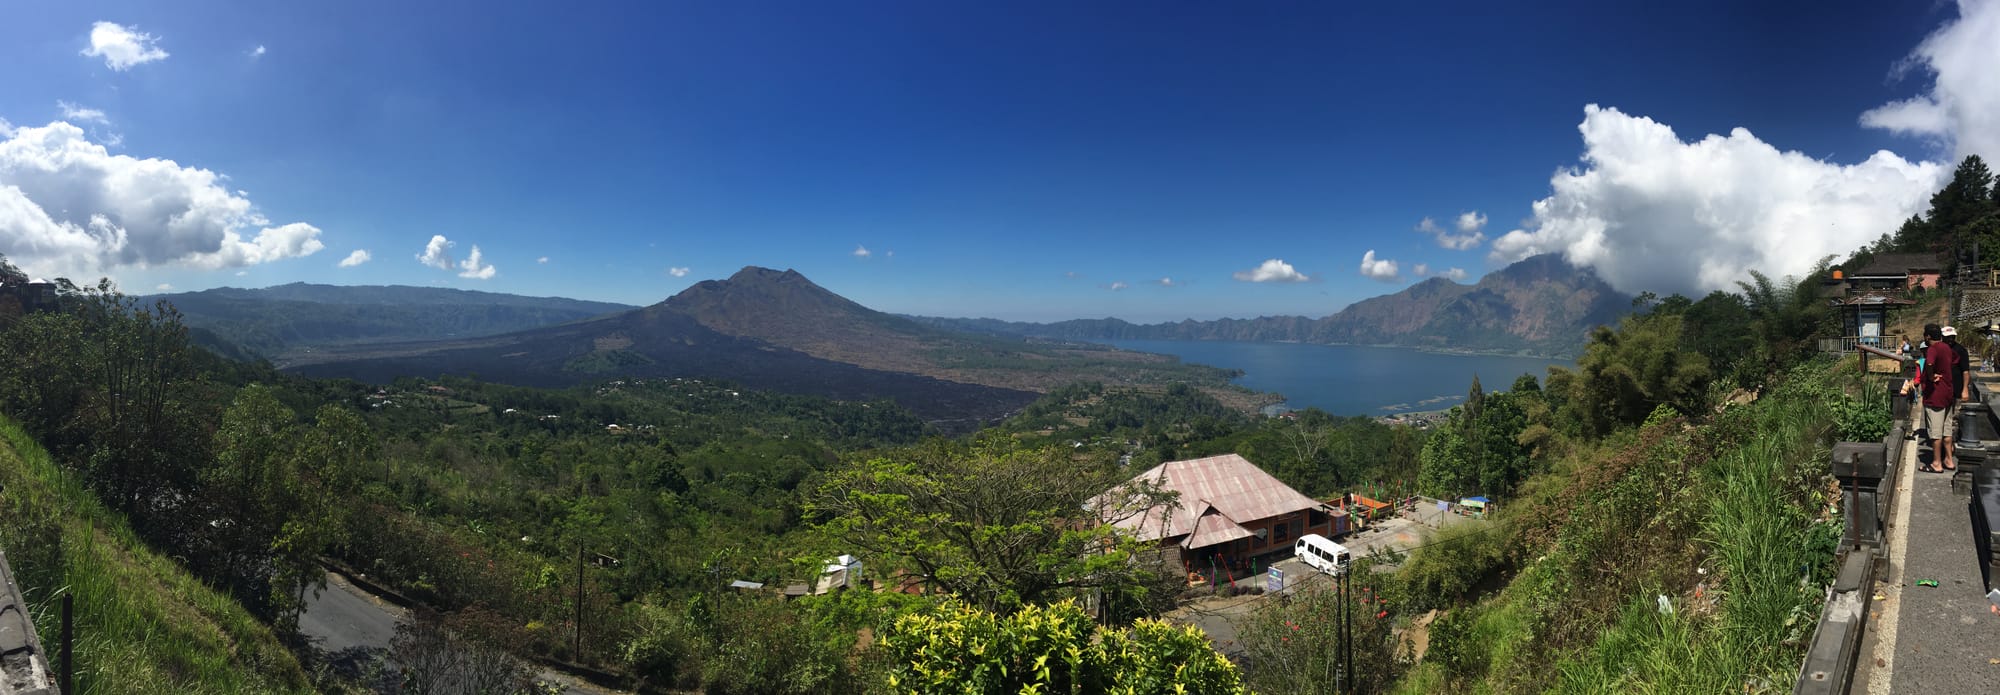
column 1540, row 306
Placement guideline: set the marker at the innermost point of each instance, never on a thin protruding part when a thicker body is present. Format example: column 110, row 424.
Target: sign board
column 1276, row 580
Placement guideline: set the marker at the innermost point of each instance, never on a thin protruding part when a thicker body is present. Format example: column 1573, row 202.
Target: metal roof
column 1236, row 490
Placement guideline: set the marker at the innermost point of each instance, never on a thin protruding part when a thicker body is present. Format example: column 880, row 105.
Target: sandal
column 1927, row 468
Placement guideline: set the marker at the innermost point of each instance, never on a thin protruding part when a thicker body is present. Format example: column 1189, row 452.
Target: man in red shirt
column 1940, row 395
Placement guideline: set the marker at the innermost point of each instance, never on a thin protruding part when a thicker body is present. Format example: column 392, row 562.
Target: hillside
column 144, row 624
column 776, row 330
column 1539, row 306
column 282, row 321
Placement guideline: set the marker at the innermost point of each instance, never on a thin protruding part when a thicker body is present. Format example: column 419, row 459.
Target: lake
column 1353, row 380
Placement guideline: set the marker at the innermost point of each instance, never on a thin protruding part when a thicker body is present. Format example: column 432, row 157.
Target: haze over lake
column 1353, row 380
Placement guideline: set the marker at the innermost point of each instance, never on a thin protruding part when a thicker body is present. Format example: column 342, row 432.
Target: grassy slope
column 143, row 624
column 1728, row 520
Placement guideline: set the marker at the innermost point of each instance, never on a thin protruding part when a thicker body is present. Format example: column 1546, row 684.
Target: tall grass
column 143, row 624
column 1768, row 557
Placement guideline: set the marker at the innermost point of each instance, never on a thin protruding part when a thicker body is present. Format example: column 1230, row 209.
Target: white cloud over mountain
column 359, row 257
column 678, row 271
column 472, row 268
column 1468, row 235
column 1379, row 268
column 437, row 253
column 1273, row 270
column 70, row 207
column 122, row 47
column 1961, row 111
column 1652, row 213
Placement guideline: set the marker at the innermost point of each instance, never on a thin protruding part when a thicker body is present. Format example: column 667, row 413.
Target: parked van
column 1322, row 554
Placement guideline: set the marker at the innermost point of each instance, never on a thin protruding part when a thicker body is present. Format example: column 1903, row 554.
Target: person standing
column 1964, row 365
column 1940, row 393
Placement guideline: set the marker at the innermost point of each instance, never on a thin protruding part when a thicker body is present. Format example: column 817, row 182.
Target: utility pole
column 1340, row 634
column 576, row 645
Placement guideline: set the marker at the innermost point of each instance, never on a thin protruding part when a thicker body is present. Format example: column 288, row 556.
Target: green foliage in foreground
column 143, row 624
column 1049, row 649
column 1728, row 519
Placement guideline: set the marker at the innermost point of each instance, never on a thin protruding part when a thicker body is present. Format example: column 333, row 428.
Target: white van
column 1321, row 554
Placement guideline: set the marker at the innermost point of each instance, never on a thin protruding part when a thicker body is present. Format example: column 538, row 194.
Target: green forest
column 599, row 528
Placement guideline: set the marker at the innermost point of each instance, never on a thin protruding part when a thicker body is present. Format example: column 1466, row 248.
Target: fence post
column 67, row 670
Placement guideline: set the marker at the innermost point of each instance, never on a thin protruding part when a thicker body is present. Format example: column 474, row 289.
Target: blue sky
column 1017, row 160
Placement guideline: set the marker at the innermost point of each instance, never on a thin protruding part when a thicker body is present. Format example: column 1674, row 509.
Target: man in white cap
column 1964, row 365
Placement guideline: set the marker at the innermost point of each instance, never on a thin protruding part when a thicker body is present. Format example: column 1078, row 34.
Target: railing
column 1847, row 344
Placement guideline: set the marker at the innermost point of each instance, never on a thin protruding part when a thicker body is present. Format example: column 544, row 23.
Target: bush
column 961, row 649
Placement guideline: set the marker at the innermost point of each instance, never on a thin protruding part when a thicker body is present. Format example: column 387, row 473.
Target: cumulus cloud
column 257, row 52
column 359, row 257
column 1424, row 270
column 70, row 207
column 436, row 253
column 1379, row 268
column 77, row 112
column 1468, row 235
column 1273, row 270
column 122, row 47
column 678, row 271
column 1652, row 213
column 861, row 251
column 1961, row 111
column 472, row 268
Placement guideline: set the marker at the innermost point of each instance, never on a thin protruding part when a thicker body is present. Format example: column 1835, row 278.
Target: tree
column 1001, row 528
column 958, row 648
column 1294, row 645
column 1626, row 373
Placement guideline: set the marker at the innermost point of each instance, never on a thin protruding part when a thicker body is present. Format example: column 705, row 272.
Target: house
column 1862, row 319
column 1892, row 272
column 28, row 297
column 1228, row 512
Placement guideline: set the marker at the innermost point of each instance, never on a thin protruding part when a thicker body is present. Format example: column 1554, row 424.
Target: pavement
column 353, row 628
column 1923, row 639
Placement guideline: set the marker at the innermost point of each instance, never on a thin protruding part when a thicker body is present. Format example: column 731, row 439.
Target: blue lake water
column 1352, row 380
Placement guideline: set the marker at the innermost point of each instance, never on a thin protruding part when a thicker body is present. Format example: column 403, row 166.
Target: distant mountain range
column 1540, row 306
column 775, row 330
column 275, row 321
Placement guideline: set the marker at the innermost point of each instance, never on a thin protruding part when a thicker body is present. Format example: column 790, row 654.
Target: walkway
column 1924, row 639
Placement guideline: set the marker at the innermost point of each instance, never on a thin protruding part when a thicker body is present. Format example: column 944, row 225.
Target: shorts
column 1938, row 421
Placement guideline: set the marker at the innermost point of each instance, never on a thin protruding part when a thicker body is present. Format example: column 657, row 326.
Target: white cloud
column 544, row 259
column 678, row 271
column 435, row 253
column 1961, row 112
column 162, row 287
column 1167, row 282
column 1273, row 270
column 1116, row 286
column 1468, row 236
column 1651, row 213
column 472, row 268
column 1471, row 222
column 359, row 257
column 242, row 273
column 6, row 129
column 121, row 47
column 1378, row 268
column 257, row 52
column 77, row 112
column 70, row 207
column 891, row 253
column 1424, row 270
column 861, row 251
